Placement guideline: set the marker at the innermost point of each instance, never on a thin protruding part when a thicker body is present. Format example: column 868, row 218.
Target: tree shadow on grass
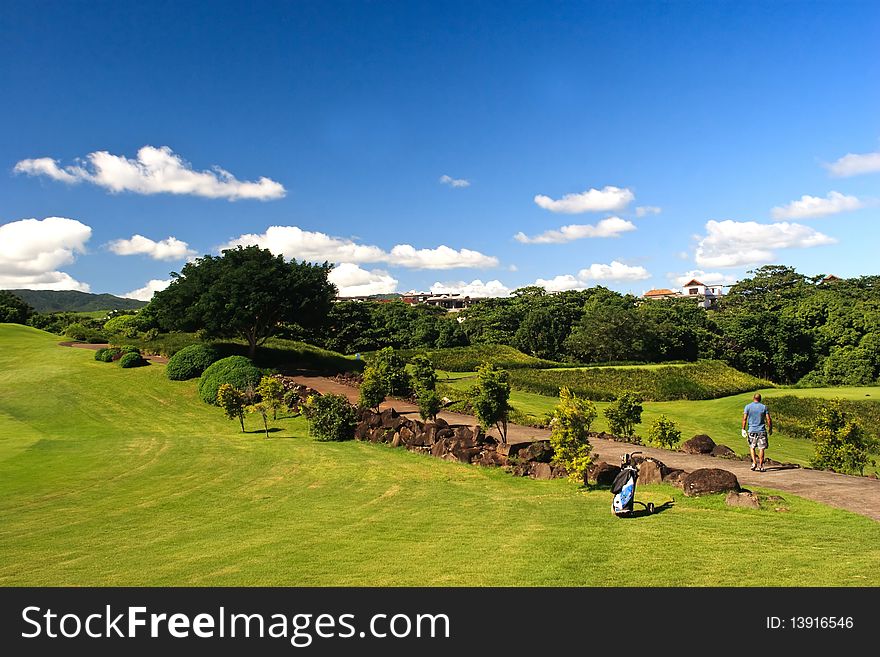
column 271, row 430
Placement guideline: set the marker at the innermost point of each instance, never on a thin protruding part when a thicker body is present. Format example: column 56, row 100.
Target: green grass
column 121, row 477
column 467, row 359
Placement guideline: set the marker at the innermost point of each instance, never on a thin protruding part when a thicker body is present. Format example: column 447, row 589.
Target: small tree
column 392, row 370
column 490, row 396
column 373, row 389
column 429, row 403
column 423, row 373
column 663, row 433
column 262, row 409
column 569, row 428
column 624, row 414
column 271, row 392
column 233, row 402
column 841, row 444
column 330, row 417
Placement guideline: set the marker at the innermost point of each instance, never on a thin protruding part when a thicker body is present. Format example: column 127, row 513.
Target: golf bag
column 624, row 488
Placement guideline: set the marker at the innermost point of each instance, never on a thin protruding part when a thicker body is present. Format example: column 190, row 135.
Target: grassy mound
column 796, row 415
column 468, row 359
column 701, row 380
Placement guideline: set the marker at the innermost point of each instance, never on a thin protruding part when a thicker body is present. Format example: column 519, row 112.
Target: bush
column 233, row 403
column 82, row 333
column 129, row 349
column 429, row 403
column 271, row 392
column 490, row 398
column 190, row 362
column 468, row 359
column 391, row 368
column 624, row 414
column 237, row 371
column 373, row 389
column 99, row 355
column 570, row 424
column 841, row 444
column 330, row 417
column 131, row 359
column 423, row 373
column 663, row 433
column 124, row 325
column 796, row 416
column 108, row 355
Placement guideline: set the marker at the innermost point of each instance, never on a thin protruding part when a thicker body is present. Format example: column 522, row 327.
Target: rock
column 490, row 458
column 509, row 449
column 362, row 430
column 603, row 473
column 388, row 416
column 538, row 450
column 699, row 444
column 558, row 472
column 463, row 453
column 650, row 472
column 675, row 477
column 723, row 452
column 440, row 448
column 745, row 499
column 709, row 480
column 404, row 435
column 441, row 423
column 542, row 470
column 397, row 441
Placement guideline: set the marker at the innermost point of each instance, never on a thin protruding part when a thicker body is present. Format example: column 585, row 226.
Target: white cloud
column 294, row 242
column 607, row 199
column 153, row 171
column 562, row 283
column 810, row 207
column 610, row 227
column 352, row 281
column 738, row 243
column 616, row 271
column 170, row 248
column 854, row 164
column 645, row 210
column 31, row 251
column 146, row 292
column 475, row 288
column 709, row 278
column 454, row 182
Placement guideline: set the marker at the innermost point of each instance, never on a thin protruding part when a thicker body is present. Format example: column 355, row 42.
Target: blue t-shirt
column 756, row 412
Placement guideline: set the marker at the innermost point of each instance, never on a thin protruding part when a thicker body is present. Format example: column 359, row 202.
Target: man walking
column 756, row 426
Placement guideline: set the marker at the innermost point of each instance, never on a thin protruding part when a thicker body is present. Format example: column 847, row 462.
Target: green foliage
column 841, row 444
column 391, row 368
column 429, row 403
column 850, row 366
column 233, row 402
column 489, row 398
column 569, row 428
column 79, row 332
column 330, row 417
column 99, row 355
column 191, row 361
column 13, row 309
column 127, row 326
column 129, row 349
column 262, row 409
column 468, row 359
column 624, row 414
column 373, row 389
column 663, row 433
column 700, row 380
column 796, row 416
column 131, row 359
column 108, row 355
column 237, row 371
column 247, row 293
column 423, row 373
column 271, row 392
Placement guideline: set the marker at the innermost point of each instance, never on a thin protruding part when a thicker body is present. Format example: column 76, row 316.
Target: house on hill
column 706, row 296
column 661, row 293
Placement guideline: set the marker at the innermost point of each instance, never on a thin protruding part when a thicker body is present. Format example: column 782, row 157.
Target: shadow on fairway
column 643, row 513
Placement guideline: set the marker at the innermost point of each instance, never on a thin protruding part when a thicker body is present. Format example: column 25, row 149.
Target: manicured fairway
column 121, row 477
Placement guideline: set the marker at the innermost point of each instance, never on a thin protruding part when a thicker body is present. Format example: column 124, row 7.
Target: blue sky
column 748, row 133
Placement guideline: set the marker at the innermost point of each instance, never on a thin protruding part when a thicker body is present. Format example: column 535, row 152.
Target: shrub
column 330, row 417
column 624, row 414
column 796, row 416
column 429, row 403
column 129, row 349
column 663, row 433
column 131, row 359
column 391, row 368
column 271, row 393
column 237, row 371
column 124, row 325
column 109, row 355
column 423, row 373
column 99, row 355
column 841, row 444
column 233, row 402
column 190, row 362
column 81, row 333
column 490, row 398
column 373, row 389
column 569, row 428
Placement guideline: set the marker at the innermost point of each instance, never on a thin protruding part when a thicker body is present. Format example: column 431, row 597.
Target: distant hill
column 53, row 301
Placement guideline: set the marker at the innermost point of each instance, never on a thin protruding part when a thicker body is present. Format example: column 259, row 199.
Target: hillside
column 53, row 301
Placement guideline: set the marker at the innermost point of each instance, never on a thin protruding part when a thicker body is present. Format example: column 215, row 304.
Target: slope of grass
column 121, row 477
column 468, row 359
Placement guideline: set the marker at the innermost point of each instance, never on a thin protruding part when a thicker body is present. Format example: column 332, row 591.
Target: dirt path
column 857, row 494
column 95, row 347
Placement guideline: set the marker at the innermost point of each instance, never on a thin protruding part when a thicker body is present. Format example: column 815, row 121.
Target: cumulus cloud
column 294, row 242
column 32, row 250
column 615, row 271
column 854, row 164
column 738, row 243
column 810, row 207
column 709, row 278
column 454, row 182
column 610, row 227
column 475, row 288
column 352, row 281
column 645, row 210
column 607, row 199
column 153, row 171
column 146, row 292
column 170, row 248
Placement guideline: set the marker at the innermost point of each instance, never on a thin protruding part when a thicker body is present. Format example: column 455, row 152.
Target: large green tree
column 13, row 309
column 247, row 293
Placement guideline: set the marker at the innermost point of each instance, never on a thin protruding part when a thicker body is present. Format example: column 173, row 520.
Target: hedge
column 191, row 361
column 237, row 371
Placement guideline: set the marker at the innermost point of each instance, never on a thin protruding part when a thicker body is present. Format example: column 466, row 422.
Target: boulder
column 699, row 444
column 440, row 422
column 709, row 480
column 538, row 450
column 745, row 499
column 542, row 470
column 404, row 435
column 723, row 452
column 558, row 472
column 511, row 449
column 440, row 448
column 397, row 441
column 651, row 471
column 362, row 430
column 675, row 477
column 490, row 458
column 603, row 473
column 387, row 417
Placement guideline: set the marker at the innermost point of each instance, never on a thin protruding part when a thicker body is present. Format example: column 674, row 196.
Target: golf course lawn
column 122, row 477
